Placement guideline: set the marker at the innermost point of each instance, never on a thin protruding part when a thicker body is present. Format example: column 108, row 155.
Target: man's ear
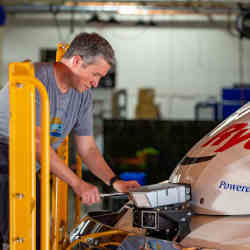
column 76, row 60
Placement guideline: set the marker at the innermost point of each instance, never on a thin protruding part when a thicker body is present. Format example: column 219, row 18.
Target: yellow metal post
column 60, row 190
column 22, row 171
column 61, row 49
column 59, row 205
column 78, row 200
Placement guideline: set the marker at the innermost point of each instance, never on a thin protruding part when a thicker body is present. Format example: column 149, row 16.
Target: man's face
column 87, row 76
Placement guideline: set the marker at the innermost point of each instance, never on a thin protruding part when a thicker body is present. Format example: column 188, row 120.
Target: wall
column 184, row 64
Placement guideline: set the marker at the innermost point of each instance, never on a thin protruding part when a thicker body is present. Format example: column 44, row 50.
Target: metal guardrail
column 22, row 85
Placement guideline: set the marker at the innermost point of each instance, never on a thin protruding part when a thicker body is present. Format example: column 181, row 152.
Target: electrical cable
column 54, row 10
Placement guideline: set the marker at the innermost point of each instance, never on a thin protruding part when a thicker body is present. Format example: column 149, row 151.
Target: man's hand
column 89, row 193
column 125, row 186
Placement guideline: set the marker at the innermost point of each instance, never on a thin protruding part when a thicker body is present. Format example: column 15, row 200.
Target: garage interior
column 182, row 68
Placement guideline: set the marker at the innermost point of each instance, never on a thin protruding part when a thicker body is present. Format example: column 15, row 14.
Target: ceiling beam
column 167, row 24
column 122, row 8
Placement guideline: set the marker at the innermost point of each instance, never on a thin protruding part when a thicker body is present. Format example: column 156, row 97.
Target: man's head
column 91, row 46
column 89, row 57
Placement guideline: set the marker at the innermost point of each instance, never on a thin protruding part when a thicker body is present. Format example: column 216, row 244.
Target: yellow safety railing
column 78, row 199
column 22, row 170
column 60, row 190
column 59, row 200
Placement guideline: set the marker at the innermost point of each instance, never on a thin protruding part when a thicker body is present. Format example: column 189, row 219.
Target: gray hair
column 91, row 46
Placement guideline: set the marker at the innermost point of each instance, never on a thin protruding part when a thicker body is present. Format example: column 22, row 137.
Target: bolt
column 19, row 196
column 19, row 85
column 19, row 240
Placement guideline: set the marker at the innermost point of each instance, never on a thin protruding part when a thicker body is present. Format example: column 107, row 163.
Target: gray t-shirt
column 71, row 111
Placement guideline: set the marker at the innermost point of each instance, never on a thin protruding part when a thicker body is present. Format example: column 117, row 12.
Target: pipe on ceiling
column 119, row 8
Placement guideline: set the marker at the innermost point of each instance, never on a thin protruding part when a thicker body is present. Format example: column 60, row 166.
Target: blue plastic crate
column 228, row 109
column 236, row 94
column 141, row 177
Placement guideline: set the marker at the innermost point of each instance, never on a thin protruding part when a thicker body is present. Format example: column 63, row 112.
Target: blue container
column 141, row 177
column 233, row 99
column 236, row 94
column 228, row 109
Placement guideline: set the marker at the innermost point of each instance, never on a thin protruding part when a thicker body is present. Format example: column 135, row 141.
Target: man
column 69, row 84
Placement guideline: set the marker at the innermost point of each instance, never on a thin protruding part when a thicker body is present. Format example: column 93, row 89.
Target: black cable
column 72, row 19
column 55, row 10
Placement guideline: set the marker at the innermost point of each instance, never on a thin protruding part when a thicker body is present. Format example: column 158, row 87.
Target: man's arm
column 88, row 192
column 91, row 156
